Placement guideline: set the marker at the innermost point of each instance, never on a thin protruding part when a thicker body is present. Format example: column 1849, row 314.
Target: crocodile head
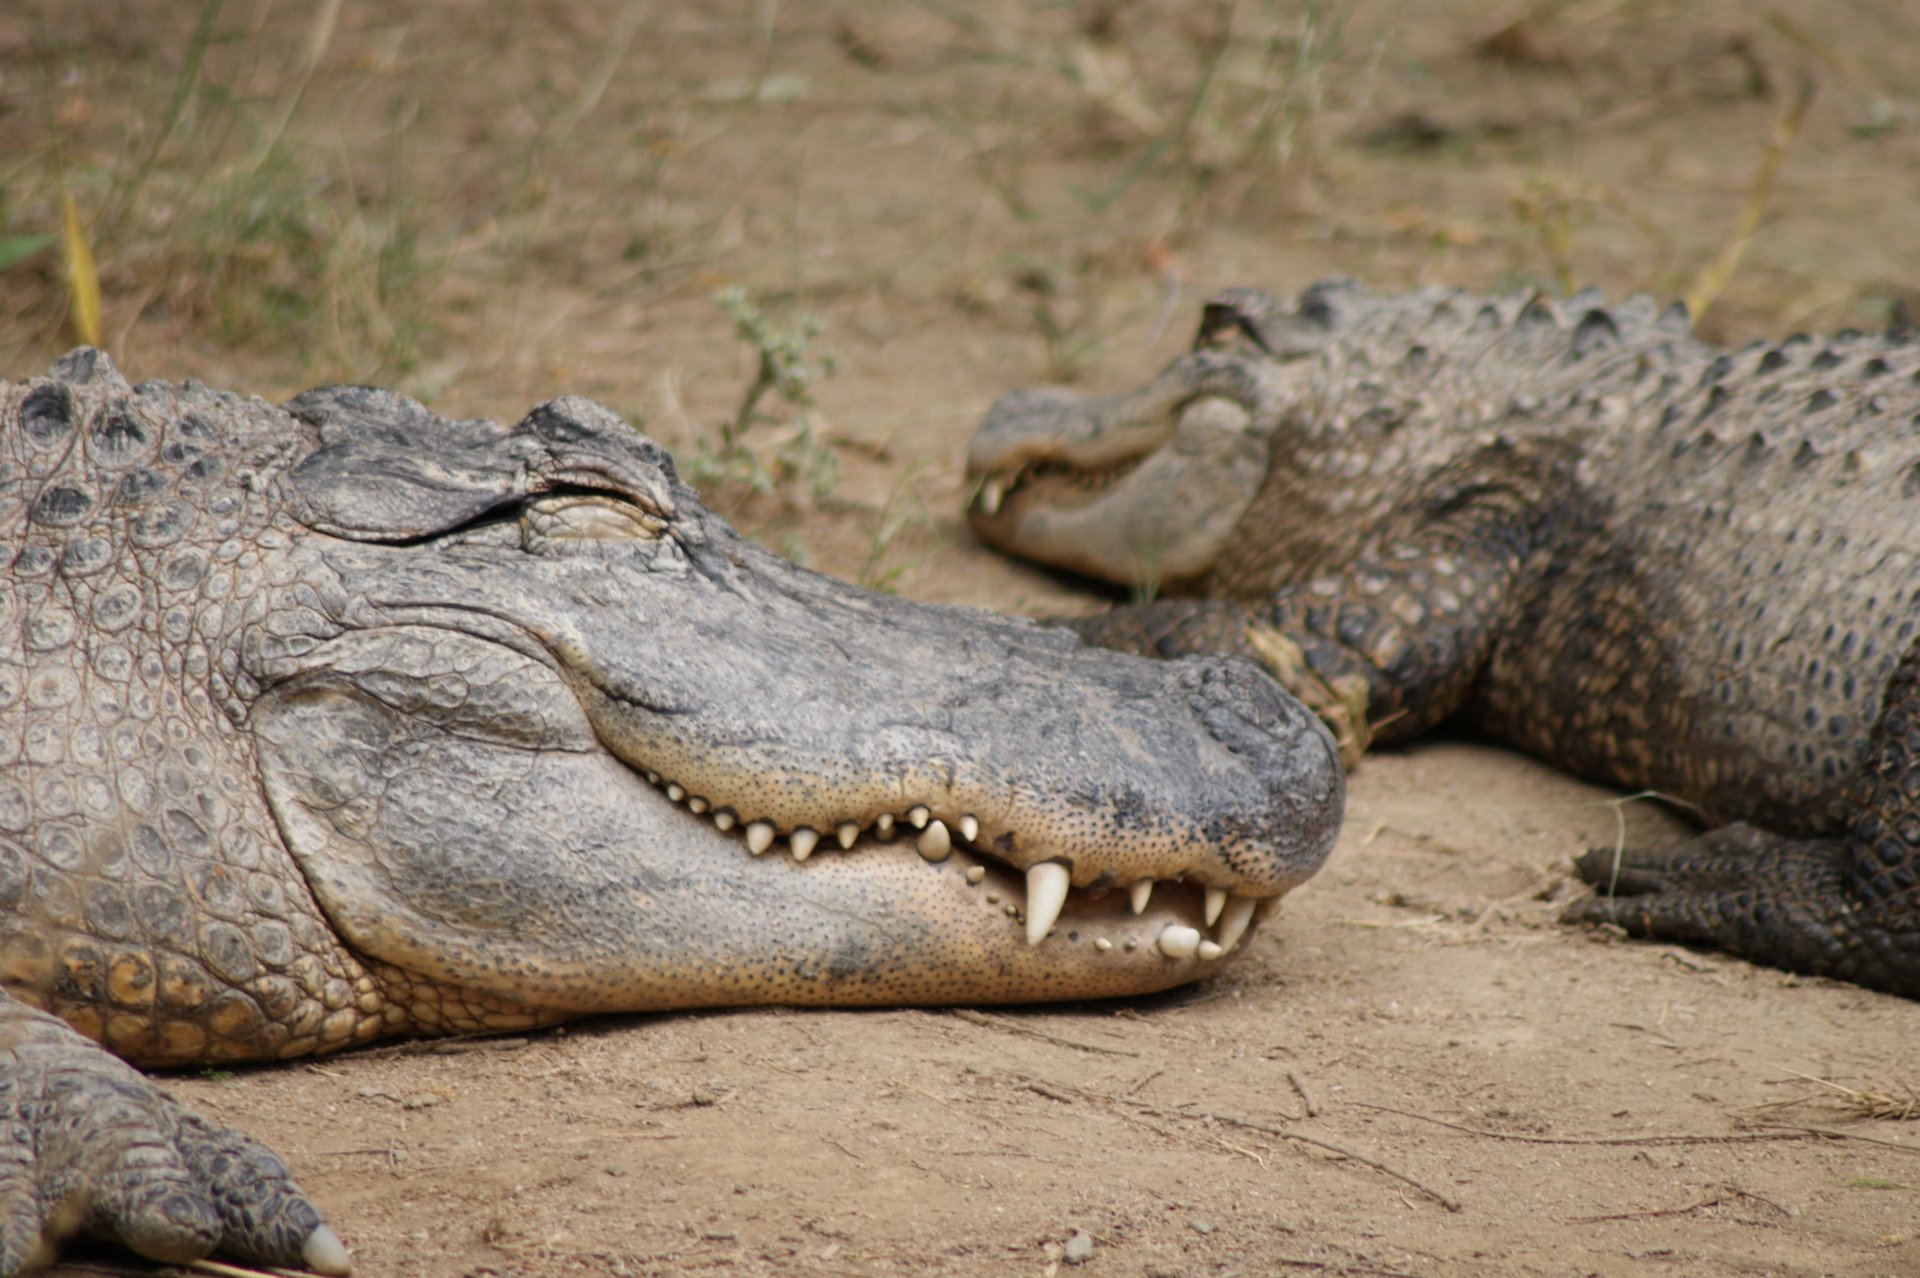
column 534, row 721
column 1147, row 487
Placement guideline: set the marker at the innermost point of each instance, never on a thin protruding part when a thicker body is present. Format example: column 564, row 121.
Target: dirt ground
column 1413, row 1070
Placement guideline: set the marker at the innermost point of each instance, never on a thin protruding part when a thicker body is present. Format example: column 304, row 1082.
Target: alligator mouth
column 1059, row 483
column 1034, row 898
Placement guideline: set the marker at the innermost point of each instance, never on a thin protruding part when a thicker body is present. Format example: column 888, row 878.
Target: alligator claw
column 87, row 1145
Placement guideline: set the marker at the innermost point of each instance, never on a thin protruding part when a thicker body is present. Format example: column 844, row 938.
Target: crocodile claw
column 87, row 1145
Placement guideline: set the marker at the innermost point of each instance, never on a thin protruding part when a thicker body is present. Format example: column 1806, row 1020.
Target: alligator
column 1572, row 526
column 342, row 719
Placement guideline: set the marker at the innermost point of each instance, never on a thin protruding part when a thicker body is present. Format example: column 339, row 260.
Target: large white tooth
column 802, row 841
column 759, row 836
column 724, row 820
column 675, row 792
column 1210, row 950
column 917, row 816
column 1178, row 940
column 1216, row 901
column 1234, row 920
column 969, row 827
column 847, row 832
column 1047, row 885
column 1141, row 892
column 991, row 493
column 697, row 805
column 934, row 843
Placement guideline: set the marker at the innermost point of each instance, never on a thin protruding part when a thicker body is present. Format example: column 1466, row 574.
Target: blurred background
column 898, row 209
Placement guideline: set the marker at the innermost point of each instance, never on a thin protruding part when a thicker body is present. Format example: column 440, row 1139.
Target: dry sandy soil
column 1414, row 1070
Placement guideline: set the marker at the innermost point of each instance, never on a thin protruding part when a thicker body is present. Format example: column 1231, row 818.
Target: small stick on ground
column 1006, row 1026
column 1780, row 1131
column 1248, row 1124
column 1306, row 1097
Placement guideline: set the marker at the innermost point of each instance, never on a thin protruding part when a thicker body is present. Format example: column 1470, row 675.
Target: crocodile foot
column 88, row 1145
column 1787, row 903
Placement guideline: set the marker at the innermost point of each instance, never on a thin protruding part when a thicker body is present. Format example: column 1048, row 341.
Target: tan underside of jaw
column 945, row 838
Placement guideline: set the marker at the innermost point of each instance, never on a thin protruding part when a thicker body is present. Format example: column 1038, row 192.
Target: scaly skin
column 1647, row 561
column 344, row 720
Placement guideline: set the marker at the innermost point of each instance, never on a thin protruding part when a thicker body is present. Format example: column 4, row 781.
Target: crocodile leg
column 89, row 1145
column 1385, row 647
column 1845, row 907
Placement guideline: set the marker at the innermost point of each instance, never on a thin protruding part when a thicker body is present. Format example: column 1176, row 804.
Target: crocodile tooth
column 697, row 805
column 1102, row 944
column 917, row 816
column 675, row 792
column 802, row 841
column 653, row 778
column 1268, row 907
column 969, row 827
column 1234, row 920
column 934, row 843
column 759, row 836
column 1141, row 891
column 976, row 873
column 1178, row 941
column 991, row 494
column 883, row 823
column 847, row 832
column 1047, row 885
column 724, row 820
column 1210, row 950
column 1216, row 901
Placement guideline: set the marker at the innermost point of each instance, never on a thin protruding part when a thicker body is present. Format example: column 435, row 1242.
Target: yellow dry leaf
column 83, row 278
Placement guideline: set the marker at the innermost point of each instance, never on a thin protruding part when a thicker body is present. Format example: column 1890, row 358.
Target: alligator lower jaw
column 1216, row 919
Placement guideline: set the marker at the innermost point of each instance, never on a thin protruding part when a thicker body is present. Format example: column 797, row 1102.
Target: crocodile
column 342, row 719
column 1574, row 526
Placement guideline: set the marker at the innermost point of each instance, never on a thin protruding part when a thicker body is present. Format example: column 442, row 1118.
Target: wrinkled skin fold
column 343, row 719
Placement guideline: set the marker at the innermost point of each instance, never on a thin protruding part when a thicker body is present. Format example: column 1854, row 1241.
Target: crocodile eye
column 550, row 523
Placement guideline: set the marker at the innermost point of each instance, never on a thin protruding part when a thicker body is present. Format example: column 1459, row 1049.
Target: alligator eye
column 552, row 521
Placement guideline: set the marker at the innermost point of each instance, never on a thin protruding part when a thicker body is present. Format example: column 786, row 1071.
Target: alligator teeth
column 1216, row 901
column 1234, row 920
column 1047, row 885
column 1178, row 941
column 934, row 843
column 1102, row 944
column 847, row 832
column 1141, row 892
column 675, row 792
column 653, row 778
column 802, row 841
column 759, row 837
column 883, row 824
column 969, row 827
column 917, row 816
column 724, row 820
column 976, row 873
column 1210, row 950
column 697, row 805
column 991, row 494
column 1268, row 907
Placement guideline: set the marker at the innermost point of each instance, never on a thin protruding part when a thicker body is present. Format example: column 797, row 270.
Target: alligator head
column 539, row 723
column 1147, row 487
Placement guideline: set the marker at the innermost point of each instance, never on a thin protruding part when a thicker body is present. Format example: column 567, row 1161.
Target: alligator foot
column 1788, row 903
column 88, row 1145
